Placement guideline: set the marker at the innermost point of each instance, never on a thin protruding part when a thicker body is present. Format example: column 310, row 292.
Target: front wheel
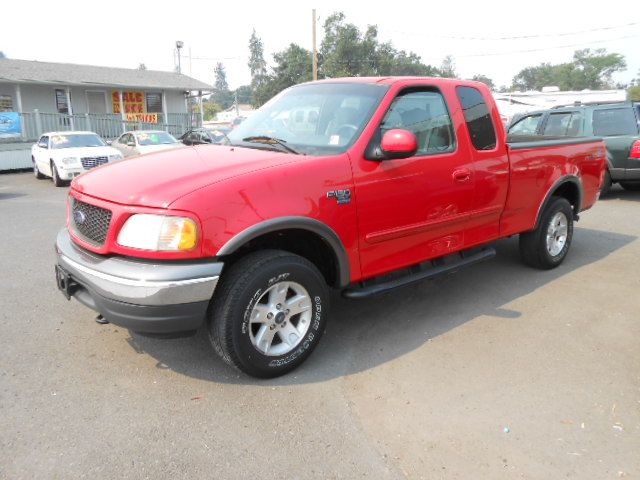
column 547, row 246
column 57, row 181
column 269, row 313
column 36, row 170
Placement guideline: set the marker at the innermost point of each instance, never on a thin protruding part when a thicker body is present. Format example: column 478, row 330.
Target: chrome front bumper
column 145, row 295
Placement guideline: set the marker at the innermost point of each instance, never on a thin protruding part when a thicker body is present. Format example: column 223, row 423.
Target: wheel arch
column 304, row 236
column 569, row 187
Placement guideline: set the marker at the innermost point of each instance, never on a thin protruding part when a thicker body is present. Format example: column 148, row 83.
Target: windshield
column 76, row 140
column 314, row 119
column 155, row 138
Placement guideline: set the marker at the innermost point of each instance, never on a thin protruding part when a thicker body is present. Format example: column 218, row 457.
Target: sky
column 479, row 35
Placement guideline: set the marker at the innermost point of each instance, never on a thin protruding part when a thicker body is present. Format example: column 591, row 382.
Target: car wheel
column 57, row 181
column 36, row 170
column 631, row 186
column 547, row 246
column 268, row 313
column 606, row 183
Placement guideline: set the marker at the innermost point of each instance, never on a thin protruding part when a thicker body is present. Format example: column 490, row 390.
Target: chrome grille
column 90, row 222
column 91, row 162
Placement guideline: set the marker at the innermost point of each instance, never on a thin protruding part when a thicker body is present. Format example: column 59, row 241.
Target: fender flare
column 312, row 225
column 574, row 179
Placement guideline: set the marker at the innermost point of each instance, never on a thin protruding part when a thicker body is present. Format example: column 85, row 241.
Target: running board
column 417, row 273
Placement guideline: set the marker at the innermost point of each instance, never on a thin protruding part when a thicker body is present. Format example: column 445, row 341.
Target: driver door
column 416, row 208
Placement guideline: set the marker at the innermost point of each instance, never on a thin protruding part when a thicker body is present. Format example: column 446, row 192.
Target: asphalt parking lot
column 499, row 371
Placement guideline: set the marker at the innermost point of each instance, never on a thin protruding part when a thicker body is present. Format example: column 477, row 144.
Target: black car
column 199, row 136
column 617, row 123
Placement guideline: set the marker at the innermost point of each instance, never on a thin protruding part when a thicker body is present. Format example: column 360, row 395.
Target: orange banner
column 133, row 102
column 142, row 117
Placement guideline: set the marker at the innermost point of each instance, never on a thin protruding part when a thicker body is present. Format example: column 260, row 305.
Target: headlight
column 117, row 156
column 69, row 160
column 158, row 232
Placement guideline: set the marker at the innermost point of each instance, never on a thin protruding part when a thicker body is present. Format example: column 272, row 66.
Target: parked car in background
column 237, row 121
column 200, row 136
column 395, row 180
column 145, row 141
column 617, row 123
column 65, row 155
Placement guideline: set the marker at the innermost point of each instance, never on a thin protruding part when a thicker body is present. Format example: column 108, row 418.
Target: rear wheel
column 631, row 186
column 269, row 313
column 606, row 183
column 547, row 246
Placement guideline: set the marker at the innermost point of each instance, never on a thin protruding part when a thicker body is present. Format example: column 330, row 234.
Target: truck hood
column 158, row 148
column 159, row 179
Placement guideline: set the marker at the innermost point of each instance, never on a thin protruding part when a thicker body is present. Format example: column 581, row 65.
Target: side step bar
column 417, row 273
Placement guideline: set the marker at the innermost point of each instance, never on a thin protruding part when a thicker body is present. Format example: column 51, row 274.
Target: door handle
column 462, row 175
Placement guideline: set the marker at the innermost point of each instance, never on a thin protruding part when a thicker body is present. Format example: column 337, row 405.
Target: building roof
column 28, row 71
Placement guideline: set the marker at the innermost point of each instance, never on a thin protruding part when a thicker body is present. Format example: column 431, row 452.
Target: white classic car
column 64, row 155
column 145, row 141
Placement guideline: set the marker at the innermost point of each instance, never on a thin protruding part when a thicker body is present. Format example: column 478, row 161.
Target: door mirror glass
column 131, row 143
column 399, row 143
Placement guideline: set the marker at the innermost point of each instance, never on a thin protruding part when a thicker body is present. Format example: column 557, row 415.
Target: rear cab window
column 614, row 121
column 477, row 117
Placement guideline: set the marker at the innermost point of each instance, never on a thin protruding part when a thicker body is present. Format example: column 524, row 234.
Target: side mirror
column 131, row 144
column 399, row 143
column 109, row 142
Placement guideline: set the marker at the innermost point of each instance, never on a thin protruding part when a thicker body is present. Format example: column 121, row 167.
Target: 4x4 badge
column 342, row 196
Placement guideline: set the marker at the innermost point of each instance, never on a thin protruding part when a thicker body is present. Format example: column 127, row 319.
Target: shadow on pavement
column 619, row 193
column 362, row 334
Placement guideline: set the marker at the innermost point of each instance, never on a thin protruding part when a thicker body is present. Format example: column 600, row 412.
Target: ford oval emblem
column 79, row 217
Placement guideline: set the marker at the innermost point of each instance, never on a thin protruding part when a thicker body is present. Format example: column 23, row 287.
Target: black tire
column 606, row 183
column 240, row 290
column 533, row 245
column 36, row 170
column 57, row 181
column 631, row 186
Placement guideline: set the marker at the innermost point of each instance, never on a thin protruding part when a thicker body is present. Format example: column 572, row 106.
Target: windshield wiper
column 271, row 141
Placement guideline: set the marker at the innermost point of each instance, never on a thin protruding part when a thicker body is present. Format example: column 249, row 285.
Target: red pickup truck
column 361, row 185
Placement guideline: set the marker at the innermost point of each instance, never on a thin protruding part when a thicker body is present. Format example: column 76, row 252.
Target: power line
column 518, row 37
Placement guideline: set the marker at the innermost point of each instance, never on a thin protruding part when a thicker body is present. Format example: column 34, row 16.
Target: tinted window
column 424, row 113
column 527, row 125
column 154, row 102
column 563, row 124
column 615, row 121
column 476, row 114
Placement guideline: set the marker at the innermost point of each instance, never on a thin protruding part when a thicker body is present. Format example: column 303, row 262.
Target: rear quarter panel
column 536, row 171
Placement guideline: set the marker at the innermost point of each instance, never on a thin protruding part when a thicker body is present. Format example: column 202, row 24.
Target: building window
column 61, row 101
column 154, row 103
column 6, row 103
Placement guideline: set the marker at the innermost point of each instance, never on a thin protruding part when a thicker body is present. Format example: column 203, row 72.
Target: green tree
column 633, row 93
column 448, row 67
column 257, row 65
column 210, row 110
column 244, row 94
column 222, row 95
column 588, row 69
column 292, row 66
column 484, row 79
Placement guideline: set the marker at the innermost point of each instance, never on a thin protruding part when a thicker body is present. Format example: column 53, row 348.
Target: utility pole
column 179, row 46
column 315, row 50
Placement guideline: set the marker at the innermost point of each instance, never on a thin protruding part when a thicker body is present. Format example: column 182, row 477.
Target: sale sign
column 133, row 102
column 142, row 117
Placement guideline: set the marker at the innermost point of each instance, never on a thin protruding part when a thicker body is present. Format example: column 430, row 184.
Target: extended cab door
column 415, row 208
column 485, row 140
